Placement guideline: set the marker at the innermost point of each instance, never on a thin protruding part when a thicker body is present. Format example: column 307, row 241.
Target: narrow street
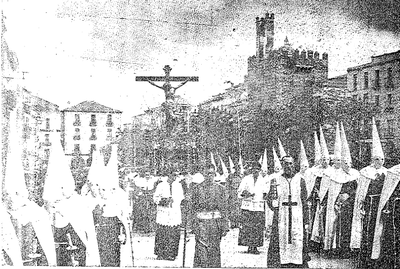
column 232, row 254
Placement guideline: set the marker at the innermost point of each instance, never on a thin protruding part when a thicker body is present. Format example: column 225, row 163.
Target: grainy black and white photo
column 200, row 133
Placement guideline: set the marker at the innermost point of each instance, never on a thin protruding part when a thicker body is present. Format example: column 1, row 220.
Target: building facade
column 276, row 76
column 89, row 126
column 377, row 85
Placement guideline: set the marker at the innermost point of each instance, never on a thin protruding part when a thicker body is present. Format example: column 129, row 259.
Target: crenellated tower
column 281, row 74
column 264, row 35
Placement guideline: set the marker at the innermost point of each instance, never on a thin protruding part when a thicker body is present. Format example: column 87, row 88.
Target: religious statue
column 169, row 91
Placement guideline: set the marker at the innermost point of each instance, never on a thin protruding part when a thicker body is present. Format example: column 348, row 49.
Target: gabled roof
column 91, row 106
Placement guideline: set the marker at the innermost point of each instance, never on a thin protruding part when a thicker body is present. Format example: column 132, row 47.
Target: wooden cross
column 289, row 203
column 167, row 88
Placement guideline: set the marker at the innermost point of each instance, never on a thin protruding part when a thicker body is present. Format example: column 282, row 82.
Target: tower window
column 47, row 123
column 77, row 135
column 109, row 122
column 354, row 82
column 93, row 136
column 377, row 80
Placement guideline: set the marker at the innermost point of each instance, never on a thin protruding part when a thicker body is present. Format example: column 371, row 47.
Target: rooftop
column 91, row 107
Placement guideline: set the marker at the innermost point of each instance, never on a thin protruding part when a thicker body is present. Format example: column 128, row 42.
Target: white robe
column 9, row 241
column 169, row 216
column 363, row 181
column 390, row 184
column 338, row 178
column 38, row 217
column 77, row 210
column 290, row 253
column 255, row 203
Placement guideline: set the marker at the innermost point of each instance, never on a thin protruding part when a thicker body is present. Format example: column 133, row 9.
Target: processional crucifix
column 169, row 92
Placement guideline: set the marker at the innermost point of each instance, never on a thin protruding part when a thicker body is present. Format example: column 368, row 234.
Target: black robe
column 390, row 248
column 208, row 197
column 312, row 202
column 63, row 252
column 107, row 230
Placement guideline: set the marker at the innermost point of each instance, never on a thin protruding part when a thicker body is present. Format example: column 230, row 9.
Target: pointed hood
column 260, row 161
column 213, row 161
column 112, row 175
column 264, row 165
column 14, row 182
column 277, row 162
column 317, row 149
column 231, row 165
column 97, row 169
column 346, row 157
column 282, row 151
column 324, row 147
column 241, row 165
column 224, row 169
column 337, row 153
column 376, row 142
column 303, row 156
column 58, row 181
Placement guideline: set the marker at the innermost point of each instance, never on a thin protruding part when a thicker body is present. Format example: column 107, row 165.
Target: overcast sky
column 92, row 50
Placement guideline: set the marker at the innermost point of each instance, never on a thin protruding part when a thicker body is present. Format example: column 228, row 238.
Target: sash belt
column 209, row 215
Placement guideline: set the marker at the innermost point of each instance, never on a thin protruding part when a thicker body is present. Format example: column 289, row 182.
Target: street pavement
column 232, row 254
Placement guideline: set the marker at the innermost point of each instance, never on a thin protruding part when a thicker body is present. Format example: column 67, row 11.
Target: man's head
column 255, row 169
column 377, row 162
column 288, row 166
column 336, row 162
column 209, row 172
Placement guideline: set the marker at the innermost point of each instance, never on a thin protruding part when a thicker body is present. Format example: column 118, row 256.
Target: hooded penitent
column 241, row 165
column 24, row 210
column 337, row 153
column 59, row 191
column 346, row 157
column 277, row 162
column 282, row 151
column 303, row 157
column 376, row 142
column 231, row 165
column 324, row 147
column 317, row 149
column 264, row 165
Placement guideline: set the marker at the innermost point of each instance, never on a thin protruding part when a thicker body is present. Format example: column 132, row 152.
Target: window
column 354, row 82
column 377, row 80
column 354, row 97
column 77, row 121
column 377, row 100
column 77, row 148
column 365, row 98
column 47, row 139
column 389, row 99
column 92, row 147
column 93, row 136
column 390, row 128
column 366, row 81
column 389, row 78
column 77, row 135
column 109, row 134
column 93, row 120
column 109, row 122
column 47, row 124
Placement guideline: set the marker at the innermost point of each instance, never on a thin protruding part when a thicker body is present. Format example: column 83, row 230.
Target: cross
column 289, row 203
column 167, row 88
column 169, row 92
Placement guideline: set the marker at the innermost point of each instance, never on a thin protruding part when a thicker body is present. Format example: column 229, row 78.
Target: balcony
column 77, row 137
column 93, row 137
column 109, row 124
column 77, row 123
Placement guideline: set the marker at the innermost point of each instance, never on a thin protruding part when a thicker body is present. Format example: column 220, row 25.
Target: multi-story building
column 89, row 126
column 276, row 76
column 377, row 85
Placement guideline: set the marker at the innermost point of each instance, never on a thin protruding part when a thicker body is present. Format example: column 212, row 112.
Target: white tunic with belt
column 258, row 188
column 169, row 215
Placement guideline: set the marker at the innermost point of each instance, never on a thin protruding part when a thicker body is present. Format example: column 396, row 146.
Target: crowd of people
column 330, row 209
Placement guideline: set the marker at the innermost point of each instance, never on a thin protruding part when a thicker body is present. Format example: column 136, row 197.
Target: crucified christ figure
column 168, row 89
